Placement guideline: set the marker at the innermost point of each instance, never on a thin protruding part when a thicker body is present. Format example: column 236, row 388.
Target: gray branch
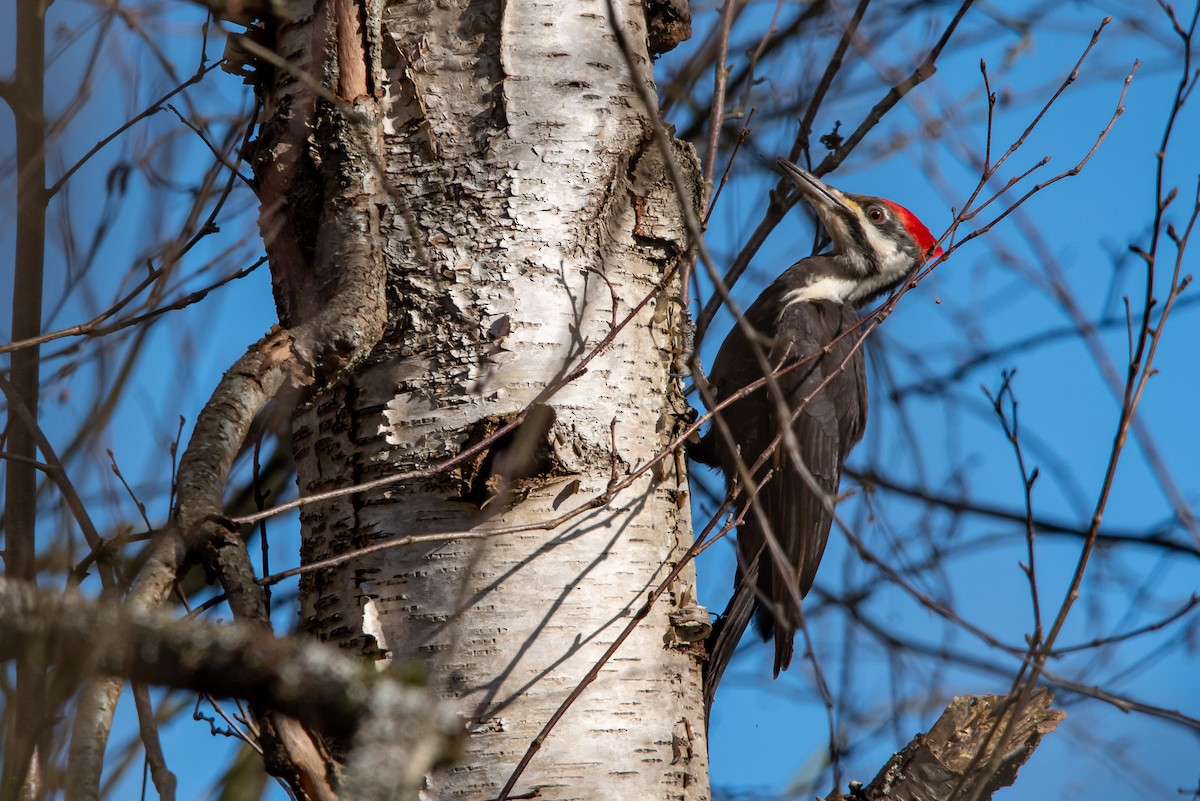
column 400, row 730
column 974, row 749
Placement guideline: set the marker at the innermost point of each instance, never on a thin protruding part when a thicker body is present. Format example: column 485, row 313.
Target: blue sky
column 765, row 734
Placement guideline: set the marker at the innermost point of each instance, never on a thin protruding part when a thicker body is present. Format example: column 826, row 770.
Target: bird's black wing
column 822, row 392
column 772, row 579
column 750, row 431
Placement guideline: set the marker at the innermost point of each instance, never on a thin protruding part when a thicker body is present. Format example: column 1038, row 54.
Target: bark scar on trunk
column 517, row 462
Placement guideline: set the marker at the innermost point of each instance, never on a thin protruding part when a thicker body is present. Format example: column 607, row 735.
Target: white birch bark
column 529, row 210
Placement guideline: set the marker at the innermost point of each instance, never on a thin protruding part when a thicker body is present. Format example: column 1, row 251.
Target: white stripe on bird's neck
column 850, row 291
column 828, row 287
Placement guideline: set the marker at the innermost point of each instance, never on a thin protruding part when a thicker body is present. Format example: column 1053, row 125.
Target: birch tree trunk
column 525, row 213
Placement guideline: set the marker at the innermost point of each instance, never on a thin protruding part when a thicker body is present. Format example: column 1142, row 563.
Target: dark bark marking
column 517, row 462
column 668, row 23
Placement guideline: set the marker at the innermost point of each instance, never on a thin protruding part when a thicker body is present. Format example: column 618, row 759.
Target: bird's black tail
column 728, row 631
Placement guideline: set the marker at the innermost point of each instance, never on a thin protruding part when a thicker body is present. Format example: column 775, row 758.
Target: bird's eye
column 875, row 214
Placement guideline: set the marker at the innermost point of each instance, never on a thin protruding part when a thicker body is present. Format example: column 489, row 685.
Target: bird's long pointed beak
column 820, row 195
column 841, row 216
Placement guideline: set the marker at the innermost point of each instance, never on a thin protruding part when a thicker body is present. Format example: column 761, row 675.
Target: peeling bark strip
column 318, row 164
column 351, row 50
column 529, row 209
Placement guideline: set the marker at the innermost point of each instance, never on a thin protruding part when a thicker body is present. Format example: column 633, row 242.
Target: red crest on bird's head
column 916, row 229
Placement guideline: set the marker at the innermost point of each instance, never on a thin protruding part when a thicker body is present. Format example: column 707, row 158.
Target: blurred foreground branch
column 400, row 729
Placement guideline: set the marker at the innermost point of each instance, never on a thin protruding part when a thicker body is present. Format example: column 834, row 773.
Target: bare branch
column 937, row 766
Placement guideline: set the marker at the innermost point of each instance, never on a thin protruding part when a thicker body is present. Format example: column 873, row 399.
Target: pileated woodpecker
column 808, row 321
